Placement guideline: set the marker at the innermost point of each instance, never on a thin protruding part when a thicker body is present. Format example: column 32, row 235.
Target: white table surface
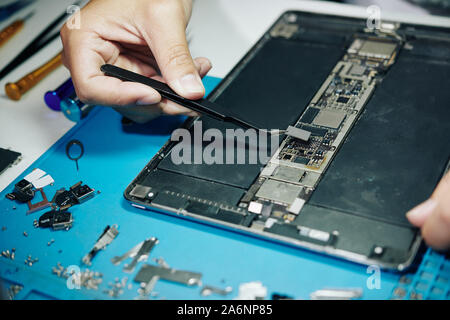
column 222, row 30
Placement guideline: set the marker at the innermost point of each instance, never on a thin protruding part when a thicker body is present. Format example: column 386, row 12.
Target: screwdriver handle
column 10, row 31
column 15, row 90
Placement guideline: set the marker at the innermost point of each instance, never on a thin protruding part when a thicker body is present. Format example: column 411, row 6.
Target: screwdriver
column 16, row 90
column 43, row 39
column 53, row 98
column 14, row 28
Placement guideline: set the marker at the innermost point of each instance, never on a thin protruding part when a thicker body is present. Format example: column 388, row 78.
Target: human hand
column 145, row 36
column 433, row 216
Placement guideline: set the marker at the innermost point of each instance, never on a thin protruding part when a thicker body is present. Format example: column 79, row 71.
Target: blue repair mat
column 114, row 155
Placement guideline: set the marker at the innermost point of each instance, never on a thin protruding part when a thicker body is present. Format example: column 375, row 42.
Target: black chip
column 342, row 99
column 315, row 131
column 309, row 115
column 301, row 160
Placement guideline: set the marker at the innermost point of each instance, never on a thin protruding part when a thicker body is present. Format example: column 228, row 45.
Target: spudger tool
column 202, row 106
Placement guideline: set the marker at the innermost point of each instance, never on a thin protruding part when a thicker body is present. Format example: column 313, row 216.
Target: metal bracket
column 337, row 294
column 40, row 205
column 188, row 278
column 209, row 290
column 108, row 235
column 139, row 253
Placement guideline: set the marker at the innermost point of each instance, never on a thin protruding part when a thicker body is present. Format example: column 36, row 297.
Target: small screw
column 416, row 296
column 30, row 261
column 378, row 250
column 405, row 280
column 400, row 292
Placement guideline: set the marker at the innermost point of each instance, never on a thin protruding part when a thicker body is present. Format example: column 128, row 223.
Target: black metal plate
column 275, row 87
column 398, row 150
column 7, row 158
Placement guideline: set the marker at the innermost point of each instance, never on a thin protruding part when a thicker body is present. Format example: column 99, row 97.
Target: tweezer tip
column 273, row 132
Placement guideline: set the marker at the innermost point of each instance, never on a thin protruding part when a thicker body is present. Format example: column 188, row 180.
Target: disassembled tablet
column 368, row 139
column 8, row 158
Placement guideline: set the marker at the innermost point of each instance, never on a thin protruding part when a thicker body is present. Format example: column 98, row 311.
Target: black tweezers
column 202, row 106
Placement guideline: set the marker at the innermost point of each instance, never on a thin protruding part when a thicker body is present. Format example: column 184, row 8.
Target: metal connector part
column 337, row 294
column 139, row 253
column 188, row 278
column 108, row 235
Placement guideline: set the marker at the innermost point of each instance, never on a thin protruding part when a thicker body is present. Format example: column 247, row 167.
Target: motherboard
column 290, row 177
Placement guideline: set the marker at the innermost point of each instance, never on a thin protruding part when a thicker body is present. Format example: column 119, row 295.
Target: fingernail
column 208, row 67
column 422, row 211
column 172, row 108
column 146, row 101
column 189, row 84
column 207, row 64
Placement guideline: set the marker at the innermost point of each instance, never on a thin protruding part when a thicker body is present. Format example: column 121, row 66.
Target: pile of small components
column 29, row 261
column 87, row 278
column 12, row 291
column 58, row 218
column 9, row 254
column 116, row 289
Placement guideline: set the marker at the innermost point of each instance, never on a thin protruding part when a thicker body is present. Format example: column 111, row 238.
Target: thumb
column 165, row 33
column 433, row 216
column 436, row 230
column 419, row 215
